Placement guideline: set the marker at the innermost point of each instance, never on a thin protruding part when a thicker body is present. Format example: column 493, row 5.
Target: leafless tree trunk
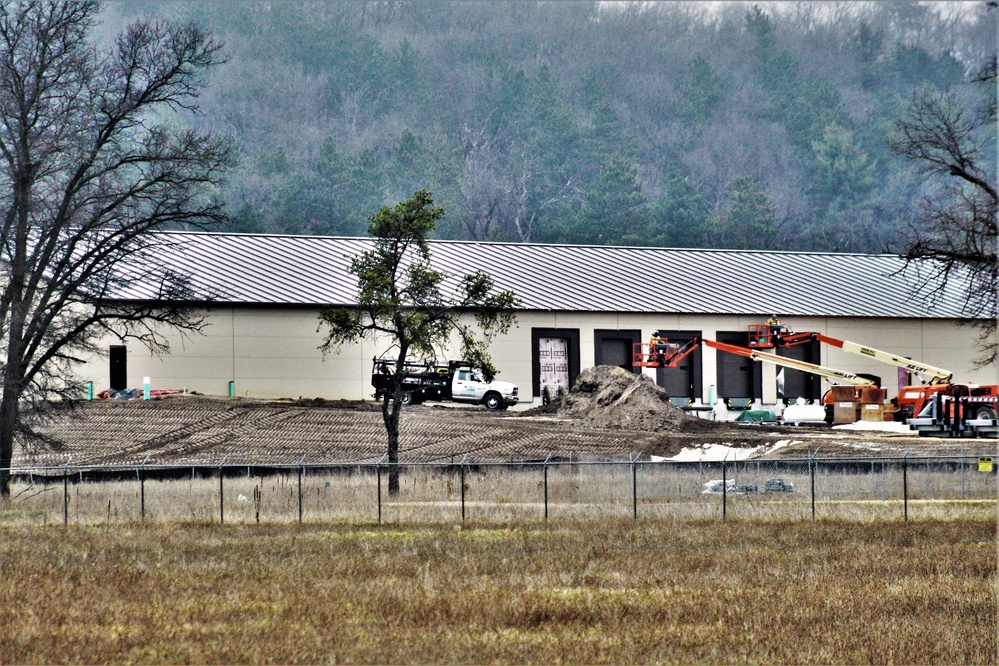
column 86, row 174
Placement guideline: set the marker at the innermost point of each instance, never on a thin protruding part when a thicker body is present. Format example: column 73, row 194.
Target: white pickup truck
column 457, row 381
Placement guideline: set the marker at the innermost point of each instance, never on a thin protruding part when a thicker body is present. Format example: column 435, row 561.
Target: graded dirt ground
column 609, row 415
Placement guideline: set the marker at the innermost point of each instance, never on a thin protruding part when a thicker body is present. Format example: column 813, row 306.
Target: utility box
column 872, row 413
column 846, row 411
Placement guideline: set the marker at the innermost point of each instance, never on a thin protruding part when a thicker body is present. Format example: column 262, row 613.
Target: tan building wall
column 273, row 352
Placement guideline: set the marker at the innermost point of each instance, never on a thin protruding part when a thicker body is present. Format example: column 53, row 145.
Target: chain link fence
column 505, row 493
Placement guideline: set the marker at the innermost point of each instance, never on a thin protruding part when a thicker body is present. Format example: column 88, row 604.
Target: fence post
column 65, row 492
column 634, row 486
column 546, row 485
column 142, row 489
column 379, row 469
column 300, row 463
column 462, row 464
column 905, row 485
column 222, row 491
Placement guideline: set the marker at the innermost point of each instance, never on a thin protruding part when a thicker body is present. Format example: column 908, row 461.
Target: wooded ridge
column 681, row 124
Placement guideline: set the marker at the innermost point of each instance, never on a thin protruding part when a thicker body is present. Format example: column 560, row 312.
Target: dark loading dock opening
column 739, row 378
column 613, row 347
column 798, row 384
column 684, row 380
column 118, row 362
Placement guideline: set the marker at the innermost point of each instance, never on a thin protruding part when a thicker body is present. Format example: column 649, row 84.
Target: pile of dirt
column 607, row 396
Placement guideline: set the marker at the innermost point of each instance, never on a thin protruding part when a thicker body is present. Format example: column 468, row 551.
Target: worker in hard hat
column 775, row 328
column 656, row 348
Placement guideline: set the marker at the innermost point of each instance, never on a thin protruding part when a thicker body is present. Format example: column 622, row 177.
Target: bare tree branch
column 958, row 228
column 86, row 174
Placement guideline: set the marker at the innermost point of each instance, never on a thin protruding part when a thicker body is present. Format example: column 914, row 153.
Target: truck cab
column 467, row 385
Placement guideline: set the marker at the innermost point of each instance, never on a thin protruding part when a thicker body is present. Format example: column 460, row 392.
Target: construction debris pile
column 609, row 397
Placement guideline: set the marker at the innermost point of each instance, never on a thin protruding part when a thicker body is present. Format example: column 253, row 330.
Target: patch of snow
column 713, row 453
column 878, row 426
column 720, row 452
column 864, row 447
column 780, row 444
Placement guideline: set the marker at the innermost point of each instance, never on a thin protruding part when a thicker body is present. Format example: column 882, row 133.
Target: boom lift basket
column 668, row 354
column 759, row 336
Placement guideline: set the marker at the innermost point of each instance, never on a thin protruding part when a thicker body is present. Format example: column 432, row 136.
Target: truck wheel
column 984, row 412
column 407, row 398
column 493, row 401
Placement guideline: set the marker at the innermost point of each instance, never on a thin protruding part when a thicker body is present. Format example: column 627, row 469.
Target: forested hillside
column 672, row 124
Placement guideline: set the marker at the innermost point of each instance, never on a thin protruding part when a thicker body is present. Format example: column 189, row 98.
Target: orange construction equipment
column 667, row 355
column 755, row 355
column 761, row 337
column 912, row 400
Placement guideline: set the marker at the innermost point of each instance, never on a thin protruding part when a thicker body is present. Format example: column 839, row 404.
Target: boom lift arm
column 935, row 375
column 761, row 335
column 823, row 371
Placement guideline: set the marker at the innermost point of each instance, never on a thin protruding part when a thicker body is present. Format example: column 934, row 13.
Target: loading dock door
column 118, row 362
column 553, row 356
column 736, row 374
column 798, row 384
column 616, row 347
column 615, row 351
column 683, row 380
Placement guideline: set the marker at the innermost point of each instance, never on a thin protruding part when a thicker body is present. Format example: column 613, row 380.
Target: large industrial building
column 580, row 306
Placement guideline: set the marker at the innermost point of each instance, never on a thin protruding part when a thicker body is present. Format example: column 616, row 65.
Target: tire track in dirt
column 213, row 438
column 171, row 437
column 202, row 431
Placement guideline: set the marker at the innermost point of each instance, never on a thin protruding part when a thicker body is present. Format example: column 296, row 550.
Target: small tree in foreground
column 401, row 297
column 87, row 171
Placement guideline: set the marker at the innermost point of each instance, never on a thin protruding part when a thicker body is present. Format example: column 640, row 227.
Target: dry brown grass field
column 607, row 591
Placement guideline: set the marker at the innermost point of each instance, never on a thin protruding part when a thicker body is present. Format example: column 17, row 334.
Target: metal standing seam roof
column 254, row 269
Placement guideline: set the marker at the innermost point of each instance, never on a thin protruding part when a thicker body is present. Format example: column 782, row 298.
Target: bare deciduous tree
column 89, row 166
column 958, row 228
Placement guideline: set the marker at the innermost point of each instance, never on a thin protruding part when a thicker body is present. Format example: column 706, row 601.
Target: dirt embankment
column 609, row 414
column 609, row 397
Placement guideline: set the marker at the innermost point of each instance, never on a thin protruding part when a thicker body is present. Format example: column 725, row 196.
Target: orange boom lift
column 972, row 400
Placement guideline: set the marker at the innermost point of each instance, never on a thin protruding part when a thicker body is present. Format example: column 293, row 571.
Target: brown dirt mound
column 607, row 396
